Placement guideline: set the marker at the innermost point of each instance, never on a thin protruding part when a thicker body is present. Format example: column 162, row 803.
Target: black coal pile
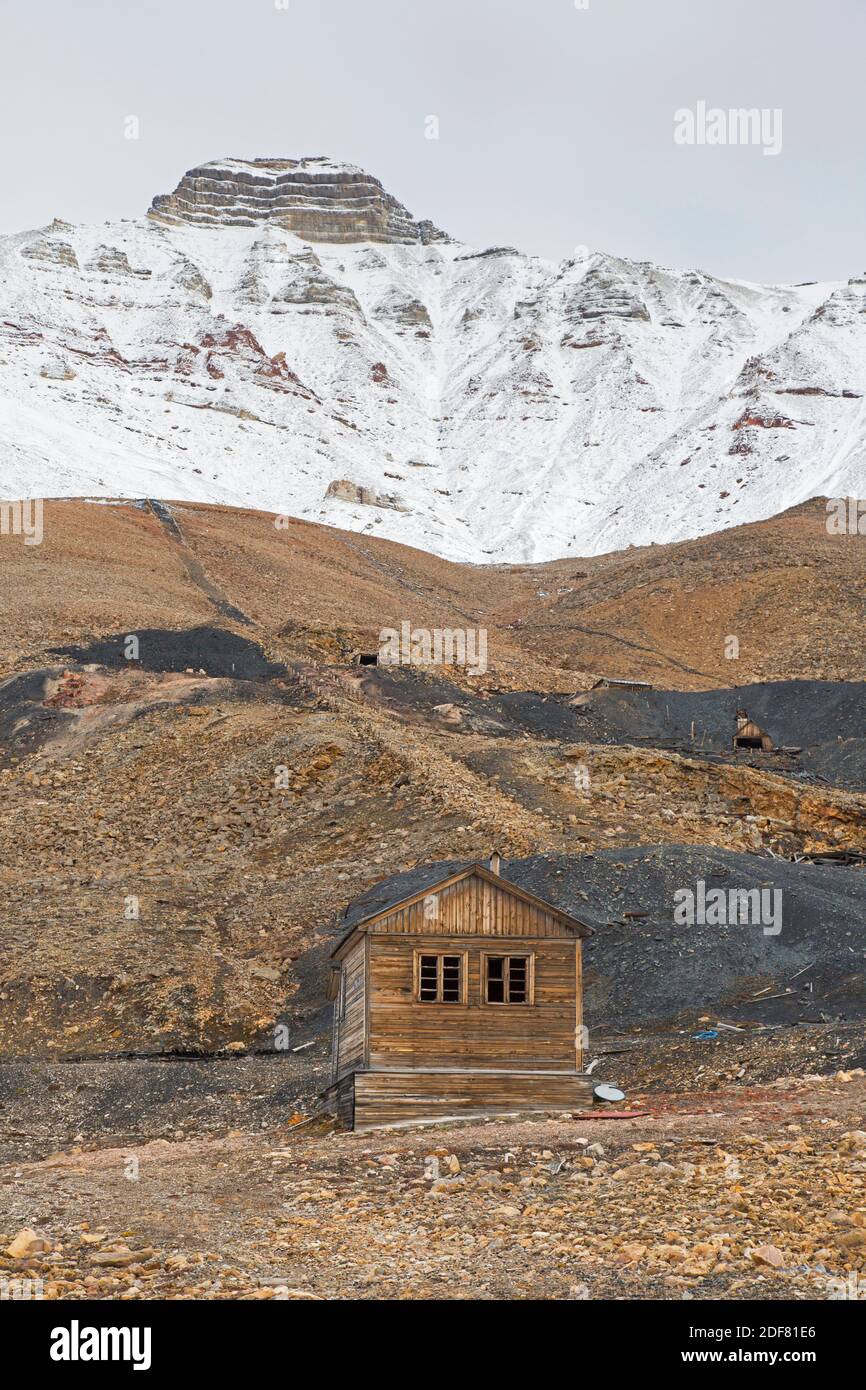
column 497, row 714
column 842, row 763
column 213, row 650
column 26, row 725
column 826, row 720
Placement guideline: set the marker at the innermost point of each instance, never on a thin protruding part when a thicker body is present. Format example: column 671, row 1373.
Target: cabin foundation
column 374, row 1099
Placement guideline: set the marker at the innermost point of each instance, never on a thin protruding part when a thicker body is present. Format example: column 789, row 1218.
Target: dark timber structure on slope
column 750, row 735
column 463, row 998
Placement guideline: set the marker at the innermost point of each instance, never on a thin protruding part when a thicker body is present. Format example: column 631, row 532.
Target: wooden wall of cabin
column 405, row 1032
column 350, row 1029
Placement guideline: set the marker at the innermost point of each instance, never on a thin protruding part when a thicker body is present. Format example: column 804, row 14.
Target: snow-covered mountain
column 281, row 334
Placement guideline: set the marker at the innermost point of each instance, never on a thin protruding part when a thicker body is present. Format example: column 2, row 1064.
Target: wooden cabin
column 749, row 735
column 462, row 998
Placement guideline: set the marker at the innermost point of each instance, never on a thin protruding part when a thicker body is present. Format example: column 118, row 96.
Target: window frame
column 463, row 967
column 508, row 956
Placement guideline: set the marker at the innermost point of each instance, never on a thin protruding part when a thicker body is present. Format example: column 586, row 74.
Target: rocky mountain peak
column 481, row 404
column 316, row 198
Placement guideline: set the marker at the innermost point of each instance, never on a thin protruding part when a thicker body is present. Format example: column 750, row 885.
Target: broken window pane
column 440, row 979
column 507, row 980
column 496, row 991
column 517, row 980
column 450, row 979
column 429, row 978
column 496, row 979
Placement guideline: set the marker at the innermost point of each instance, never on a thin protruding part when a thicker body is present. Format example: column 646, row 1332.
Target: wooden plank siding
column 390, row 1097
column 473, row 907
column 404, row 1032
column 578, row 1006
column 351, row 1030
column 339, row 1101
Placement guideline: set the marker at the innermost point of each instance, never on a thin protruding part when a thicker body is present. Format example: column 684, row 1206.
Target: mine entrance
column 748, row 734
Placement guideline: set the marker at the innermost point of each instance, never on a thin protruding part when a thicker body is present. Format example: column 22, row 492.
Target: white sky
column 556, row 124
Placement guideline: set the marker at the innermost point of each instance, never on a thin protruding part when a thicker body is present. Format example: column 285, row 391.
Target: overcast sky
column 556, row 123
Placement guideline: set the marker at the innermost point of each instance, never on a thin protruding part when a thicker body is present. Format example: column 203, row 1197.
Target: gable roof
column 389, row 895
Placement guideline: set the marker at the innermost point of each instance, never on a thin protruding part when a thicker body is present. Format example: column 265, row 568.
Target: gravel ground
column 755, row 1193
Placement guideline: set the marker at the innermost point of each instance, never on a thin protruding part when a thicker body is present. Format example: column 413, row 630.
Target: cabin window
column 508, row 979
column 440, row 979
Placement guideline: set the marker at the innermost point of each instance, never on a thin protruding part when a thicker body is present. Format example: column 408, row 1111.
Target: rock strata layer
column 313, row 197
